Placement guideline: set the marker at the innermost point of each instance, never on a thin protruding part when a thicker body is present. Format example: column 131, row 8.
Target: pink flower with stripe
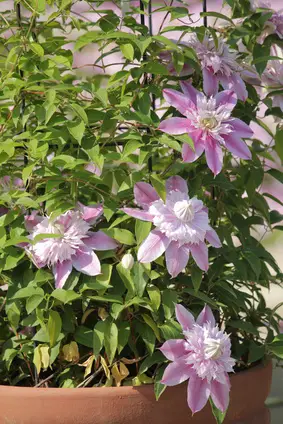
column 70, row 242
column 203, row 357
column 181, row 226
column 209, row 123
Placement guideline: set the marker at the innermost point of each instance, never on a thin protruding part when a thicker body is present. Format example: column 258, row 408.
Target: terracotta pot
column 133, row 405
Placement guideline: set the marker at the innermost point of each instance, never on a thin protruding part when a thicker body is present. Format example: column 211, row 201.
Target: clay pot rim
column 265, row 363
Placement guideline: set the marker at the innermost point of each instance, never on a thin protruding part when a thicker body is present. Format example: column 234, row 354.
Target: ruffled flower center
column 209, row 123
column 184, row 210
column 212, row 348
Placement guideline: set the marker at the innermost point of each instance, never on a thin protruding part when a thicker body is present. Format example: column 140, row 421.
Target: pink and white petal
column 138, row 213
column 188, row 154
column 210, row 82
column 175, row 126
column 241, row 128
column 200, row 254
column 145, row 194
column 237, row 146
column 198, row 393
column 87, row 262
column 100, row 241
column 61, row 272
column 205, row 316
column 32, row 220
column 174, row 349
column 184, row 317
column 239, row 87
column 220, row 395
column 176, row 372
column 152, row 247
column 176, row 259
column 181, row 102
column 227, row 99
column 212, row 238
column 90, row 213
column 177, row 183
column 214, row 156
column 189, row 91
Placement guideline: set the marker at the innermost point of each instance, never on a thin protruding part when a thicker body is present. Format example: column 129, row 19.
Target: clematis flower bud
column 128, row 261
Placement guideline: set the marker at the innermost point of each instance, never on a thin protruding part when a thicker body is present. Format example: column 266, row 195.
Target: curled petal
column 220, row 394
column 200, row 254
column 175, row 126
column 174, row 349
column 145, row 194
column 86, row 262
column 198, row 393
column 100, row 241
column 205, row 316
column 152, row 247
column 189, row 91
column 237, row 146
column 184, row 317
column 176, row 259
column 177, row 183
column 210, row 82
column 176, row 373
column 214, row 156
column 61, row 272
column 181, row 102
column 212, row 238
column 90, row 213
column 138, row 213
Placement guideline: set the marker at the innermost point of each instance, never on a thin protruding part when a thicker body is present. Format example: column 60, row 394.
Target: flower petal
column 175, row 126
column 184, row 317
column 176, row 259
column 214, row 156
column 198, row 393
column 61, row 272
column 220, row 394
column 145, row 194
column 138, row 213
column 32, row 220
column 177, row 183
column 152, row 247
column 100, row 241
column 86, row 262
column 210, row 82
column 189, row 91
column 174, row 349
column 200, row 255
column 90, row 213
column 237, row 146
column 212, row 238
column 239, row 87
column 205, row 316
column 188, row 154
column 176, row 373
column 227, row 99
column 181, row 102
column 241, row 128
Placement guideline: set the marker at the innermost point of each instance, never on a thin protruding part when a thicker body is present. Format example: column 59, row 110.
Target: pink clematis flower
column 209, row 123
column 93, row 168
column 6, row 185
column 181, row 223
column 272, row 78
column 219, row 65
column 203, row 357
column 72, row 244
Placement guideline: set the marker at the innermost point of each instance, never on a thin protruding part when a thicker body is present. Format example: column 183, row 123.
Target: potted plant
column 133, row 215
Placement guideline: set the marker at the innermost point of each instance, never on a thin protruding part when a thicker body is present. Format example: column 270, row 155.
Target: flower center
column 184, row 210
column 209, row 123
column 213, row 348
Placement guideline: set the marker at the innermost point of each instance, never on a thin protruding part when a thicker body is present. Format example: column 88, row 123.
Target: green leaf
column 155, row 68
column 27, row 171
column 169, row 300
column 111, row 340
column 127, row 278
column 140, row 278
column 142, row 230
column 123, row 236
column 147, row 336
column 98, row 337
column 278, row 175
column 33, row 302
column 80, row 112
column 54, row 326
column 254, row 262
column 256, row 352
column 217, row 15
column 155, row 358
column 218, row 415
column 130, row 147
column 155, row 297
column 84, row 336
column 158, row 386
column 76, row 129
column 159, row 185
column 196, row 275
column 37, row 49
column 279, row 142
column 261, row 56
column 128, row 51
column 65, row 296
column 149, row 321
column 245, row 326
column 124, row 332
column 28, row 292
